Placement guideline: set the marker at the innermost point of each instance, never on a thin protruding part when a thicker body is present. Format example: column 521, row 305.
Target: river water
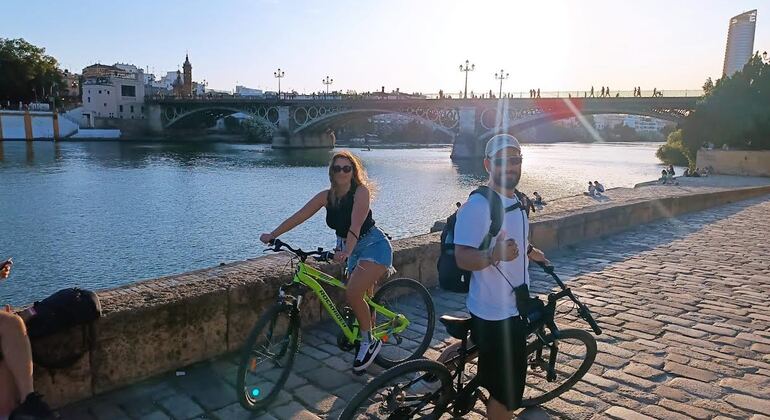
column 101, row 214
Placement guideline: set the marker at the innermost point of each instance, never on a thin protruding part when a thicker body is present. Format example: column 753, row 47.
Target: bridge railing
column 687, row 93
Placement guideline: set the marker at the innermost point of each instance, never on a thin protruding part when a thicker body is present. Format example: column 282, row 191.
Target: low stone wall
column 159, row 325
column 735, row 162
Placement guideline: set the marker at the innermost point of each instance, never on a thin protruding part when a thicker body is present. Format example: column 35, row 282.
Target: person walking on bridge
column 365, row 246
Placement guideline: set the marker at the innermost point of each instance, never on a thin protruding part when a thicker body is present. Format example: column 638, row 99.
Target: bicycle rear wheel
column 267, row 357
column 576, row 351
column 410, row 298
column 418, row 389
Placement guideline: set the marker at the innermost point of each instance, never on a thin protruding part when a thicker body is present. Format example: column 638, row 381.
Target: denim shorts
column 374, row 247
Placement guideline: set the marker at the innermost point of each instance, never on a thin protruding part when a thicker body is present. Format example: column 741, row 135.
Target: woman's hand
column 266, row 237
column 340, row 256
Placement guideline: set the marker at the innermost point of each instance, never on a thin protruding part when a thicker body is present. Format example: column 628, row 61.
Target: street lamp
column 279, row 75
column 502, row 76
column 468, row 67
column 327, row 81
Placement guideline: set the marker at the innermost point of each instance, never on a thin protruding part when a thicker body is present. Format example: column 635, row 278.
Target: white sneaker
column 366, row 354
column 424, row 386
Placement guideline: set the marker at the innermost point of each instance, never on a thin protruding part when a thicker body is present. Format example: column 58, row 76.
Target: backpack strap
column 496, row 212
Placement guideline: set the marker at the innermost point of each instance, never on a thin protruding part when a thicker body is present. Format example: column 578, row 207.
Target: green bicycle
column 402, row 309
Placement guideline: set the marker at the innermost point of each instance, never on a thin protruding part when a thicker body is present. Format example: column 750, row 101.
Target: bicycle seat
column 457, row 326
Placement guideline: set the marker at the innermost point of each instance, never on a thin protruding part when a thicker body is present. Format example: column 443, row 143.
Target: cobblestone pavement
column 685, row 308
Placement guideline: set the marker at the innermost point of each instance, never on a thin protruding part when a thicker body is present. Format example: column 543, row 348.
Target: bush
column 674, row 152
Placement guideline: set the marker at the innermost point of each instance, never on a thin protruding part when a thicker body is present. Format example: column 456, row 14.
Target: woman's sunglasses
column 511, row 160
column 337, row 169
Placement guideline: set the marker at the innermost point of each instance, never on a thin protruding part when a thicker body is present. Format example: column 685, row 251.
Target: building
column 102, row 70
column 116, row 94
column 187, row 83
column 740, row 42
column 72, row 85
column 246, row 91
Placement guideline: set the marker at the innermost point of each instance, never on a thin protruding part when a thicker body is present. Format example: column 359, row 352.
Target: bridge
column 307, row 123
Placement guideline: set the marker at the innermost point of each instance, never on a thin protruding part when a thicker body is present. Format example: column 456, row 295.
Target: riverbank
column 173, row 321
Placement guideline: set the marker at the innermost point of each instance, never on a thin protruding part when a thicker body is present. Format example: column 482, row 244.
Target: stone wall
column 159, row 325
column 735, row 162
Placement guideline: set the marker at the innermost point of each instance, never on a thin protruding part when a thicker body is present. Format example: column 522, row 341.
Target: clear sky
column 415, row 45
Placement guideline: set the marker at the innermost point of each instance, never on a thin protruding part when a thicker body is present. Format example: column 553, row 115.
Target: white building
column 246, row 91
column 117, row 96
column 644, row 124
column 740, row 42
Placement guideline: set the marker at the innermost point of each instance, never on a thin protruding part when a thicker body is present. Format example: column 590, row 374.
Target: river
column 101, row 214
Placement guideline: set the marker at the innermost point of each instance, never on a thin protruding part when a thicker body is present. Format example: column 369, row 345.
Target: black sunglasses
column 337, row 169
column 511, row 160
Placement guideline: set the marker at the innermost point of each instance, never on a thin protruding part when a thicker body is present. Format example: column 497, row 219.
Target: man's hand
column 538, row 255
column 506, row 250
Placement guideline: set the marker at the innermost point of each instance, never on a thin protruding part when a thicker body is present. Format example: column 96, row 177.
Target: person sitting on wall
column 663, row 177
column 599, row 187
column 538, row 199
column 591, row 189
column 18, row 398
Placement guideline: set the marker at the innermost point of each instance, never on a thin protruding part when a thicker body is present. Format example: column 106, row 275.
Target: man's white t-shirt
column 490, row 296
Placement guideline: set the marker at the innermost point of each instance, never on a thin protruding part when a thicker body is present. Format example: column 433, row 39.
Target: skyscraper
column 740, row 42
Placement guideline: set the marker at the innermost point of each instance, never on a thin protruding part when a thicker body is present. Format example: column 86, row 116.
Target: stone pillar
column 284, row 122
column 305, row 140
column 153, row 117
column 465, row 146
column 55, row 125
column 28, row 134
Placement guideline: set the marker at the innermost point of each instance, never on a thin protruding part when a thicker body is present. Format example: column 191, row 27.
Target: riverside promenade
column 684, row 304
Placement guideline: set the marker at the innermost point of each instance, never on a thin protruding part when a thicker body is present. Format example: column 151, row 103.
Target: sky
column 413, row 45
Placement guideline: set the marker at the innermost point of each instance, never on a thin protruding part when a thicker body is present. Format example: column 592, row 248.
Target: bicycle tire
column 419, row 292
column 412, row 368
column 248, row 399
column 590, row 344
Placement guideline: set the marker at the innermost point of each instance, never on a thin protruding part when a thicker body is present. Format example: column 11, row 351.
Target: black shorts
column 502, row 363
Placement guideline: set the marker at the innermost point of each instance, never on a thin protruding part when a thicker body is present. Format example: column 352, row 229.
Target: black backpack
column 60, row 311
column 451, row 277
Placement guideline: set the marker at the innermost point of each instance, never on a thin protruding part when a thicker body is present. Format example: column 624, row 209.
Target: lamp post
column 466, row 68
column 327, row 81
column 502, row 76
column 278, row 74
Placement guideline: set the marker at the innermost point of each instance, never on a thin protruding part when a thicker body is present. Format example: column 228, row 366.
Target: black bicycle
column 426, row 389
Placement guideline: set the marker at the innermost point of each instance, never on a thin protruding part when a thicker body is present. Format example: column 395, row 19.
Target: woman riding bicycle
column 366, row 248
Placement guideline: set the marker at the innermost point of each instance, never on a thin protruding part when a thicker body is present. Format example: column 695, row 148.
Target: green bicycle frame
column 313, row 278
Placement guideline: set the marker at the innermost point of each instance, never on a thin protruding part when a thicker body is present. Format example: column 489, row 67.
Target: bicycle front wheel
column 575, row 353
column 411, row 299
column 267, row 357
column 418, row 389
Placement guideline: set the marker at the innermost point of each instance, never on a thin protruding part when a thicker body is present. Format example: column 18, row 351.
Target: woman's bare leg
column 17, row 354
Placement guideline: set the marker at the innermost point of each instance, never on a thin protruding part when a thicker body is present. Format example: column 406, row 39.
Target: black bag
column 60, row 311
column 451, row 277
column 63, row 309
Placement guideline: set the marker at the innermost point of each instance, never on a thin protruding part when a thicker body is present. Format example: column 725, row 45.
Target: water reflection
column 130, row 210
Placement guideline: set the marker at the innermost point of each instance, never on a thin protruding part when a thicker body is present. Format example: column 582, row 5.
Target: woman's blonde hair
column 360, row 177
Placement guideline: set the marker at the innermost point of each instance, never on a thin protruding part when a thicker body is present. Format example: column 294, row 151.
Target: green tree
column 27, row 73
column 735, row 111
column 674, row 152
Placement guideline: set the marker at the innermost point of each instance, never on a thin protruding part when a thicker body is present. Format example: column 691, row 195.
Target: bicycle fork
column 550, row 368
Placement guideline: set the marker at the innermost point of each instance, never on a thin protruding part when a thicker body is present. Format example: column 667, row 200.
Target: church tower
column 187, row 67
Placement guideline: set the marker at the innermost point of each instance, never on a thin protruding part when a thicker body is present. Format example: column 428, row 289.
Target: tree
column 27, row 73
column 735, row 111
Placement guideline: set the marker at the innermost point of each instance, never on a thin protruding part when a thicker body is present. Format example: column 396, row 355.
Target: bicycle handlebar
column 318, row 255
column 583, row 311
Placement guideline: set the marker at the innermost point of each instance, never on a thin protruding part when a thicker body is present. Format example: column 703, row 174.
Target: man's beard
column 506, row 181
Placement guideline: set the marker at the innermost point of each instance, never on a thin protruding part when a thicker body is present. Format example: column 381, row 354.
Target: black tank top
column 338, row 217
